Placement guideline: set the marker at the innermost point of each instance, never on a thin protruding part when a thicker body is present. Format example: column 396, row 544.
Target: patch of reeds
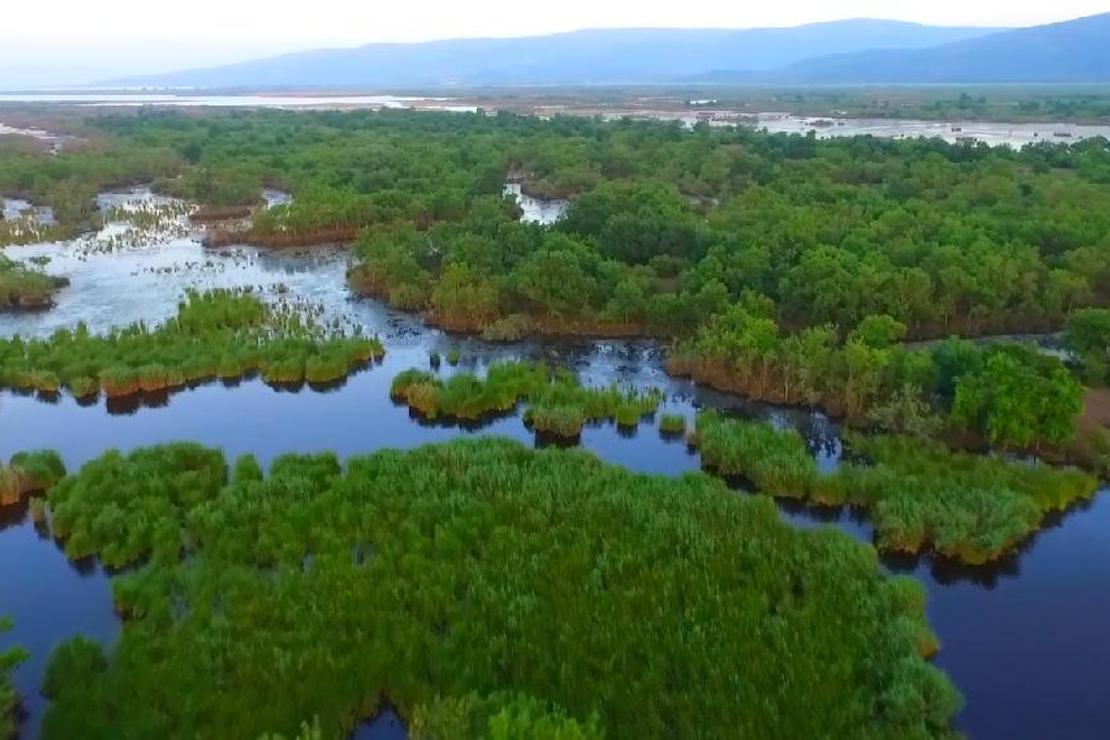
column 221, row 334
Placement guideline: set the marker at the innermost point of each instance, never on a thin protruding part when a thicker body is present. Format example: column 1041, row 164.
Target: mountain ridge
column 1066, row 52
column 613, row 56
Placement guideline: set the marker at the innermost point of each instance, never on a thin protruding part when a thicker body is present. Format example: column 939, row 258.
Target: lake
column 1025, row 639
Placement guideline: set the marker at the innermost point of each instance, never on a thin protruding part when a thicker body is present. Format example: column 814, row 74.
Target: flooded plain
column 1024, row 639
column 953, row 131
column 1010, row 134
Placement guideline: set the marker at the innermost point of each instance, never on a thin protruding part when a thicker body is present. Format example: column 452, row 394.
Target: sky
column 76, row 41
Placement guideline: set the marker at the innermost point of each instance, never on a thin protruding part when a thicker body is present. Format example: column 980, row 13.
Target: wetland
column 1020, row 634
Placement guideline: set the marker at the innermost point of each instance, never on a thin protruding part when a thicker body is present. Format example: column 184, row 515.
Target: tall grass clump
column 224, row 334
column 557, row 403
column 921, row 495
column 124, row 507
column 672, row 425
column 467, row 580
column 776, row 461
column 974, row 508
column 29, row 472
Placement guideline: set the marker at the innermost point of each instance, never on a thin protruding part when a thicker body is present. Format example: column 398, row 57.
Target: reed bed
column 479, row 585
column 220, row 334
column 557, row 403
column 921, row 495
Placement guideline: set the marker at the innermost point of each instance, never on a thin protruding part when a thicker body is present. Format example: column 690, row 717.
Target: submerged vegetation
column 219, row 334
column 973, row 508
column 557, row 403
column 464, row 583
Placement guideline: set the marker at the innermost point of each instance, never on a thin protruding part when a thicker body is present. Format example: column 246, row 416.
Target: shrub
column 672, row 425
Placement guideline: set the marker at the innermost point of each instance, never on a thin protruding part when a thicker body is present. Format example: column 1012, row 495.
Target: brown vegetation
column 323, row 237
column 211, row 214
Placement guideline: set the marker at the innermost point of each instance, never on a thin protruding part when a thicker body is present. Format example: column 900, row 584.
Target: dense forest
column 1010, row 395
column 667, row 226
column 462, row 582
column 789, row 268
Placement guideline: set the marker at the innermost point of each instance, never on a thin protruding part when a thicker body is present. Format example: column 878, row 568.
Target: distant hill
column 596, row 56
column 1073, row 51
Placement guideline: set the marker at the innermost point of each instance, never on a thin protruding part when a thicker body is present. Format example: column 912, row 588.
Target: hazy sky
column 80, row 40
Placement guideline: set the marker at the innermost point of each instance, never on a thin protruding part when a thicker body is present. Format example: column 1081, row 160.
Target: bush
column 672, row 425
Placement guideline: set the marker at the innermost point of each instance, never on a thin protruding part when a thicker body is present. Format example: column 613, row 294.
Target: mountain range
column 850, row 51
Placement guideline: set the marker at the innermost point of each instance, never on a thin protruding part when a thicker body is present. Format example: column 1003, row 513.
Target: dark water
column 50, row 599
column 1026, row 641
column 385, row 725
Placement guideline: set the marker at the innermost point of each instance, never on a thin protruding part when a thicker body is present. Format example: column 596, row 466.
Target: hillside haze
column 1073, row 51
column 592, row 56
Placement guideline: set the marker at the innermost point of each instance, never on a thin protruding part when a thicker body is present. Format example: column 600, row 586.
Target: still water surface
column 1026, row 641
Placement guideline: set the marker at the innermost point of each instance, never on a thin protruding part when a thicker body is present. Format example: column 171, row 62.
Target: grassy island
column 29, row 472
column 220, row 334
column 25, row 287
column 557, row 403
column 477, row 584
column 920, row 494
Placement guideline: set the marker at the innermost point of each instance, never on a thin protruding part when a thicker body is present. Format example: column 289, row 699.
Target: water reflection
column 385, row 725
column 536, row 210
column 50, row 599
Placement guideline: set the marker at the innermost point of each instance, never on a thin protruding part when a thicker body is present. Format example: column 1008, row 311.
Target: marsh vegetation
column 556, row 403
column 971, row 508
column 387, row 578
column 784, row 268
column 25, row 286
column 219, row 334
